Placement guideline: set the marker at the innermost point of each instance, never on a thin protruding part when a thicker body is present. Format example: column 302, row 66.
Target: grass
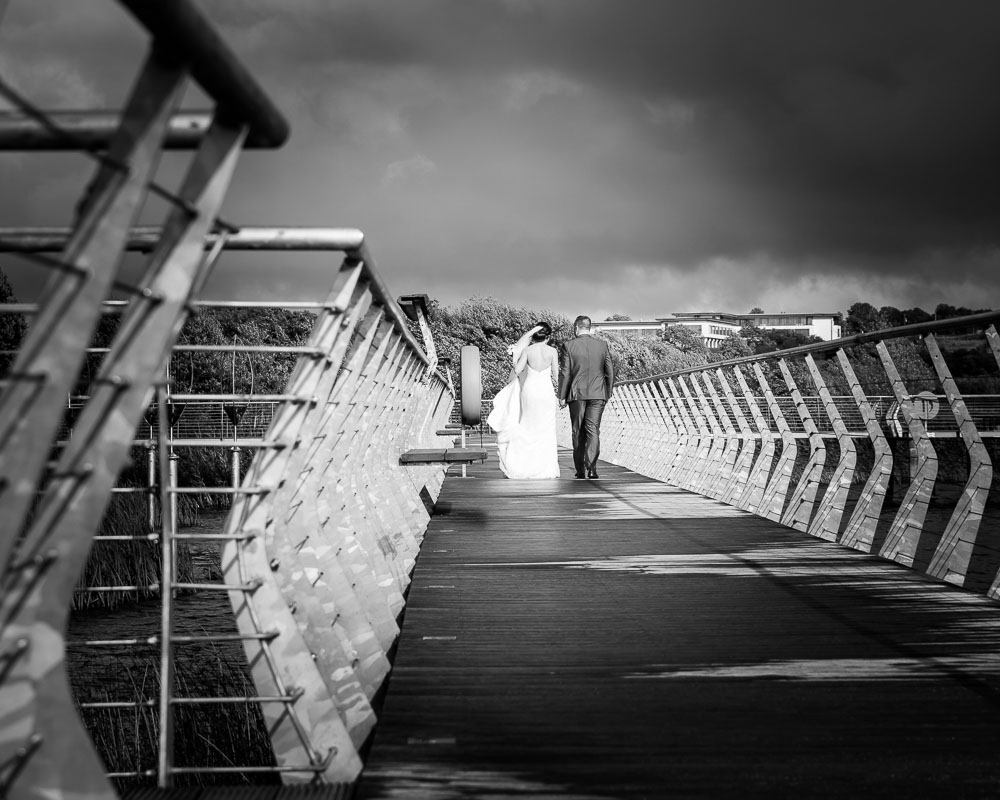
column 129, row 562
column 232, row 735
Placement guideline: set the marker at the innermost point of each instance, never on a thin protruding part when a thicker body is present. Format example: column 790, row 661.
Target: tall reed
column 132, row 561
column 211, row 735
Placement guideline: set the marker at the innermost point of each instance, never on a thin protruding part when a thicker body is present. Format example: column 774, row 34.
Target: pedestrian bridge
column 627, row 638
column 257, row 544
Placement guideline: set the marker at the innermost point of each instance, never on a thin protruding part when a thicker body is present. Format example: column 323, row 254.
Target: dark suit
column 586, row 378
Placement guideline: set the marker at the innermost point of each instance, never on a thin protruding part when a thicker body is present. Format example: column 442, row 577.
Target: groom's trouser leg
column 592, row 432
column 576, row 412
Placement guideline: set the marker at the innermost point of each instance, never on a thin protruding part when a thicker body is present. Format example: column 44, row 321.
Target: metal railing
column 324, row 522
column 51, row 501
column 316, row 592
column 884, row 442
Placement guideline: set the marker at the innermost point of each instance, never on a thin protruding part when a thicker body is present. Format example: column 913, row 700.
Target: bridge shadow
column 623, row 638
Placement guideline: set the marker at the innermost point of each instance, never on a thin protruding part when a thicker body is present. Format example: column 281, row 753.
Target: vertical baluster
column 686, row 469
column 648, row 431
column 745, row 439
column 630, row 441
column 953, row 553
column 661, row 431
column 826, row 522
column 722, row 455
column 722, row 423
column 703, row 468
column 665, row 445
column 901, row 542
column 800, row 505
column 679, row 434
column 168, row 560
column 993, row 339
column 859, row 532
column 762, row 466
column 773, row 502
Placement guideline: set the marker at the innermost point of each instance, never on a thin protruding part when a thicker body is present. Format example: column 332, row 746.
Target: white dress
column 524, row 417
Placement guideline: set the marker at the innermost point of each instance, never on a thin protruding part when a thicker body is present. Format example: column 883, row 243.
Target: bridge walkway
column 622, row 638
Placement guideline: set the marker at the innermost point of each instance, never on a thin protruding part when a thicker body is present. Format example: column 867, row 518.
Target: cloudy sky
column 601, row 156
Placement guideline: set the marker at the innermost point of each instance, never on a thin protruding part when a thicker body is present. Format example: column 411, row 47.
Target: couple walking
column 524, row 411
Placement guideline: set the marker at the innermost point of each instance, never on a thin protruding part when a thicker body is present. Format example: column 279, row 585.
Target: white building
column 715, row 326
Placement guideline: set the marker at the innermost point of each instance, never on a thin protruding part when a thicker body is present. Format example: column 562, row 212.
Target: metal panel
column 712, row 444
column 826, row 522
column 764, row 463
column 901, row 542
column 953, row 553
column 798, row 512
column 723, row 430
column 773, row 501
column 684, row 424
column 747, row 440
column 695, row 444
column 859, row 532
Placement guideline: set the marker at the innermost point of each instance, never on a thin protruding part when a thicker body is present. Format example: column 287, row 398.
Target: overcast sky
column 588, row 156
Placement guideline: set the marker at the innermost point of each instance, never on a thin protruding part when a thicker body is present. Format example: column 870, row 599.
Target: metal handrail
column 832, row 345
column 765, row 440
column 53, row 493
column 180, row 30
column 249, row 238
column 92, row 129
column 388, row 357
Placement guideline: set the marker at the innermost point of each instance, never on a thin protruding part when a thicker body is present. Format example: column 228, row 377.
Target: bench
column 450, row 455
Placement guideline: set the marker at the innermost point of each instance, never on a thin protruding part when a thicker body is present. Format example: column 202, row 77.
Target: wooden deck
column 620, row 638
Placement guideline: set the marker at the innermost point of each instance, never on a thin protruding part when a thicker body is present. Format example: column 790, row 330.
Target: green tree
column 213, row 373
column 492, row 326
column 12, row 326
column 762, row 340
column 915, row 316
column 642, row 356
column 909, row 356
column 862, row 318
column 891, row 317
column 685, row 339
column 733, row 346
column 618, row 318
column 784, row 340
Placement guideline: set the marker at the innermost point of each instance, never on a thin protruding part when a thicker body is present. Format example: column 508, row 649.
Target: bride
column 524, row 411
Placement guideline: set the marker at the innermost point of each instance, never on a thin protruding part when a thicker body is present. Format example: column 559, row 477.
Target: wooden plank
column 456, row 455
column 623, row 638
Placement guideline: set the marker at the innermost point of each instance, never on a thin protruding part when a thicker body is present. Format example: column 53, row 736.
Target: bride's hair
column 543, row 334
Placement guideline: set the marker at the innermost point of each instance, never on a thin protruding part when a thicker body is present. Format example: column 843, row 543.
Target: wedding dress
column 524, row 417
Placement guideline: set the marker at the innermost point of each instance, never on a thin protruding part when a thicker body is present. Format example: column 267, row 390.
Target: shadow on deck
column 622, row 638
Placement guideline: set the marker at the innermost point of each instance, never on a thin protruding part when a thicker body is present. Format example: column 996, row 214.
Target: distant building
column 715, row 326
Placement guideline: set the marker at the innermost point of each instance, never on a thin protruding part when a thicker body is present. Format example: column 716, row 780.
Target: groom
column 586, row 378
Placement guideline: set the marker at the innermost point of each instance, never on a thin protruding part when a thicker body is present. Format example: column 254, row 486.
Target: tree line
column 865, row 318
column 492, row 325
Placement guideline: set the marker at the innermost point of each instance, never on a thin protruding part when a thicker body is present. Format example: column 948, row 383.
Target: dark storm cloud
column 854, row 129
column 535, row 146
